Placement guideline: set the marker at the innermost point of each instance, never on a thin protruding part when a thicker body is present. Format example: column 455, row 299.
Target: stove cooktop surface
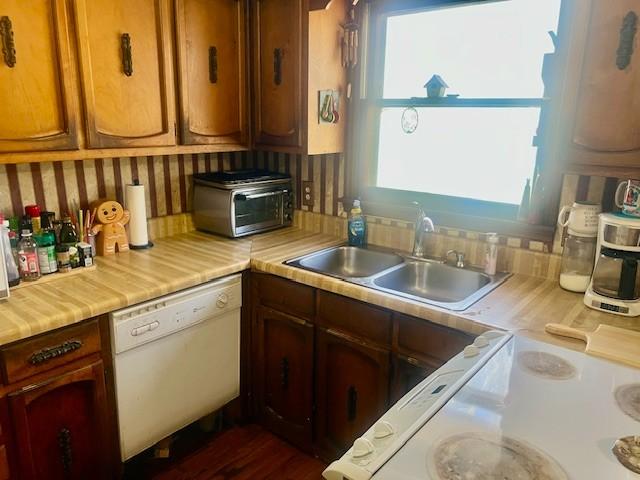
column 533, row 412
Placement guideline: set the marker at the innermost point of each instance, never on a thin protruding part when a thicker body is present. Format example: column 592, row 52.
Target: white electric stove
column 507, row 408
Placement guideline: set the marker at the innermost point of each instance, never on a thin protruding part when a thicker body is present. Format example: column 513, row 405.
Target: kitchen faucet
column 424, row 225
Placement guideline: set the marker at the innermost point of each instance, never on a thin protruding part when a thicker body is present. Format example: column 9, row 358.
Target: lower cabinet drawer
column 45, row 352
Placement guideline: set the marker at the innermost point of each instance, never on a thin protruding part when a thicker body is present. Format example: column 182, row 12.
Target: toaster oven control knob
column 470, row 351
column 382, row 429
column 222, row 300
column 287, row 216
column 481, row 341
column 362, row 447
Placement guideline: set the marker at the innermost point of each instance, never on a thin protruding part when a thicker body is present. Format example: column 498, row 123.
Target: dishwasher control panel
column 155, row 319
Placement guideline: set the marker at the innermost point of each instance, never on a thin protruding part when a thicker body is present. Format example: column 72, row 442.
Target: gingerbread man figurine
column 113, row 236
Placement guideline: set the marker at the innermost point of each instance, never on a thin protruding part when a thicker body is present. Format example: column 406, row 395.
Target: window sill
column 508, row 228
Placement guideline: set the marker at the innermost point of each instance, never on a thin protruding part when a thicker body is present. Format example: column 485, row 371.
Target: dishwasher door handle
column 149, row 327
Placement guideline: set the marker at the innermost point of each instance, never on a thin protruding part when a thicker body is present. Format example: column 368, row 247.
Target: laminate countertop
column 522, row 303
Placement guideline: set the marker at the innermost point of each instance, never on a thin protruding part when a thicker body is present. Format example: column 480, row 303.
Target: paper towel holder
column 149, row 244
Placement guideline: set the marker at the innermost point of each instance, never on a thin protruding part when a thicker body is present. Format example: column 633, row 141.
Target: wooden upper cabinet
column 126, row 71
column 211, row 50
column 38, row 110
column 280, row 38
column 608, row 104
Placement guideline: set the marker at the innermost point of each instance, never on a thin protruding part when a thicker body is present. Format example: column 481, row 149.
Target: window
column 480, row 142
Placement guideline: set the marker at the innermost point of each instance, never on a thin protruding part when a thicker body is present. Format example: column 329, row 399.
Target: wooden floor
column 241, row 453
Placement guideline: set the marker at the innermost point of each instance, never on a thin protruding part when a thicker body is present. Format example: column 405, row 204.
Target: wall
column 60, row 186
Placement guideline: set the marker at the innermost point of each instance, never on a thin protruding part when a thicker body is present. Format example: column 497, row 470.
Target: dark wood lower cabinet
column 352, row 390
column 60, row 427
column 284, row 376
column 326, row 367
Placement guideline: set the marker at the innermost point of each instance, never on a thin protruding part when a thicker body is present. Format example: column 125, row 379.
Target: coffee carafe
column 615, row 284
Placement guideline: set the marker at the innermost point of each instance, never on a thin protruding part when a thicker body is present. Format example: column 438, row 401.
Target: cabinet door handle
column 625, row 46
column 352, row 403
column 213, row 64
column 278, row 53
column 49, row 353
column 127, row 57
column 284, row 373
column 64, row 442
column 8, row 44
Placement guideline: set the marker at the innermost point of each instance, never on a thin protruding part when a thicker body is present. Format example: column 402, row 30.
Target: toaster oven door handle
column 253, row 196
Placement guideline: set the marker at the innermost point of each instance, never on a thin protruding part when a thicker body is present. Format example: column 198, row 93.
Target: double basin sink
column 422, row 280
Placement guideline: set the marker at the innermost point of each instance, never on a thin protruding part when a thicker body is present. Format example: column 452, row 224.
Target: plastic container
column 491, row 255
column 28, row 257
column 13, row 275
column 357, row 226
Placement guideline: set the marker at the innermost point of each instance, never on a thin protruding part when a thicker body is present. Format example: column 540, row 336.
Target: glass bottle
column 578, row 258
column 28, row 257
column 47, row 252
column 69, row 239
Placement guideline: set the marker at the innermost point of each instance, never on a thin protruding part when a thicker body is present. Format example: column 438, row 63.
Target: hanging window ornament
column 409, row 120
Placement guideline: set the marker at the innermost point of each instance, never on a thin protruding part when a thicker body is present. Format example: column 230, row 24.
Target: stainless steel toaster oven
column 241, row 202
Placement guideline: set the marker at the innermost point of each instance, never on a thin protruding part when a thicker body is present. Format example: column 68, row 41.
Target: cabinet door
column 608, row 111
column 60, row 427
column 280, row 46
column 285, row 375
column 38, row 110
column 126, row 72
column 352, row 390
column 211, row 71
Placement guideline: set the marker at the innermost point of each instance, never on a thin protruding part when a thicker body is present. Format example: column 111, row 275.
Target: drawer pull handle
column 50, row 353
column 352, row 403
column 278, row 53
column 64, row 442
column 625, row 45
column 8, row 44
column 213, row 64
column 127, row 56
column 284, row 373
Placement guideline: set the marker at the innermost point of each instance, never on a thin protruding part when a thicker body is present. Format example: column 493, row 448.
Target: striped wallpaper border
column 64, row 185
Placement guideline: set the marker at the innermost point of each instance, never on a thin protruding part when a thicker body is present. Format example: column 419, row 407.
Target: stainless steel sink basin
column 348, row 262
column 450, row 287
column 422, row 280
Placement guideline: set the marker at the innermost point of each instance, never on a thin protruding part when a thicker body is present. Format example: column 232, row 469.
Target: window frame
column 457, row 212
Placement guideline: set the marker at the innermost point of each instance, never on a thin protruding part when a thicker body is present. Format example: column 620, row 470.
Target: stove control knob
column 470, row 351
column 362, row 447
column 481, row 342
column 382, row 429
column 222, row 300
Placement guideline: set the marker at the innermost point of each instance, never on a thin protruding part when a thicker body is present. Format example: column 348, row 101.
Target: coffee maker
column 615, row 283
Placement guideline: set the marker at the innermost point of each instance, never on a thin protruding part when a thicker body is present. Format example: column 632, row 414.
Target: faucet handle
column 459, row 258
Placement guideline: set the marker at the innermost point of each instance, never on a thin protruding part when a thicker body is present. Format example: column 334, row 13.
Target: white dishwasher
column 176, row 359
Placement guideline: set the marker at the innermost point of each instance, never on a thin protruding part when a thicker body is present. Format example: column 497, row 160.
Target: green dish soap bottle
column 357, row 226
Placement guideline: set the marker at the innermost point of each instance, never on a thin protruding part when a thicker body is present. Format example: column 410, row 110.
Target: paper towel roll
column 135, row 203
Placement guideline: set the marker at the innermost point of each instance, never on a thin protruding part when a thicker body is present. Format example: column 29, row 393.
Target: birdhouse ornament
column 110, row 231
column 436, row 87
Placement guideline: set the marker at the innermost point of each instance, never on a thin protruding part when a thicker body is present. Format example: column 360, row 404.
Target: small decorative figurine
column 113, row 237
column 436, row 87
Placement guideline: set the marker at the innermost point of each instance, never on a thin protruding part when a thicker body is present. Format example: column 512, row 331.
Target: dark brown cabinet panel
column 38, row 108
column 211, row 71
column 354, row 318
column 284, row 376
column 279, row 60
column 284, row 295
column 352, row 390
column 407, row 373
column 433, row 343
column 60, row 426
